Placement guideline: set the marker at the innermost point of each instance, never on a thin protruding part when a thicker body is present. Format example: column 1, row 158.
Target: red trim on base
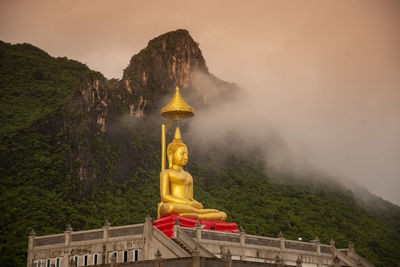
column 166, row 224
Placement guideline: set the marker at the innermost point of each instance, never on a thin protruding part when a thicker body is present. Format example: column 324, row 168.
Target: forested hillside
column 78, row 149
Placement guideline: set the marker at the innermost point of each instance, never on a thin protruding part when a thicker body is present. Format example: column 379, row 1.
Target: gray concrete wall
column 148, row 242
column 102, row 242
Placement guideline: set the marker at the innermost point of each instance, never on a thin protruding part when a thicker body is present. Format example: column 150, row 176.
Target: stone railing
column 262, row 241
column 85, row 236
column 227, row 237
column 301, row 246
column 243, row 239
column 49, row 240
column 191, row 243
column 70, row 238
column 326, row 249
column 189, row 231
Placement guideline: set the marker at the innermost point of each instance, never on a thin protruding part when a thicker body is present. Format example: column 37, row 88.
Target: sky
column 324, row 75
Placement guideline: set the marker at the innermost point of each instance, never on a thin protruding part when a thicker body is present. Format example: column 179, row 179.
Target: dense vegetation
column 36, row 186
column 34, row 88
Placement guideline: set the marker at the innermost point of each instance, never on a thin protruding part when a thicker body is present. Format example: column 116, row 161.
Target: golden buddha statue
column 176, row 186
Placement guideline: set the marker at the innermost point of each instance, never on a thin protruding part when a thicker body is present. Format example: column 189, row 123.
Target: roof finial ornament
column 351, row 246
column 148, row 218
column 278, row 259
column 158, row 254
column 69, row 228
column 32, row 233
column 299, row 261
column 280, row 235
column 196, row 251
column 316, row 240
column 197, row 225
column 228, row 254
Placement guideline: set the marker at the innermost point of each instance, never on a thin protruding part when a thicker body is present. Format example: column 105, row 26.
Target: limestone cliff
column 85, row 118
column 97, row 104
column 173, row 56
column 148, row 79
column 169, row 58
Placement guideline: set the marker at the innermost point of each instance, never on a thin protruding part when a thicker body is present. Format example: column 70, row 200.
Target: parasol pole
column 163, row 146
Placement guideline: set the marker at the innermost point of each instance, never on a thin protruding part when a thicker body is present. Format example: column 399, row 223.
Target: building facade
column 134, row 245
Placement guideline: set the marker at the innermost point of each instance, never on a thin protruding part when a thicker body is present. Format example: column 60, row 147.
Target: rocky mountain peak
column 171, row 57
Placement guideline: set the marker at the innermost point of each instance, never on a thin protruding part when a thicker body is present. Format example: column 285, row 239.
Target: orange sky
column 324, row 74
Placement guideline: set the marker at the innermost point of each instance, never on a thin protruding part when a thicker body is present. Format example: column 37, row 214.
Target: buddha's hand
column 195, row 204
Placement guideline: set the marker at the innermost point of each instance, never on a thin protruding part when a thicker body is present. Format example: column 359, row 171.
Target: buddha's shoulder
column 174, row 173
column 188, row 174
column 169, row 172
column 165, row 172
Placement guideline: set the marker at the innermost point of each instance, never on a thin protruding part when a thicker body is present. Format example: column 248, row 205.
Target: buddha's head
column 177, row 151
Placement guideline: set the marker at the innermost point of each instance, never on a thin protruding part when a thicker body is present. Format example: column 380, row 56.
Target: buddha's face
column 180, row 156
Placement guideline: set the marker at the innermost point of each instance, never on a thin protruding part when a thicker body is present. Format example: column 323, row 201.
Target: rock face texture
column 86, row 117
column 97, row 104
column 174, row 55
column 169, row 58
column 147, row 80
column 93, row 98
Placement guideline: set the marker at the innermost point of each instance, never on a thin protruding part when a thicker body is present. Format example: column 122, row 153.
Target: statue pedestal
column 166, row 224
